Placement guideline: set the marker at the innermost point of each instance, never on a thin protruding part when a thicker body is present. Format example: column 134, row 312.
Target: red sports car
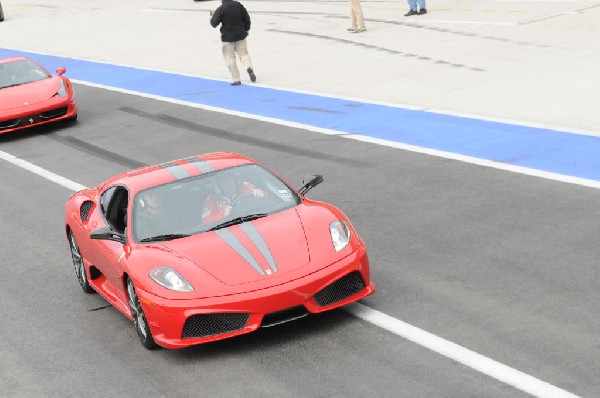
column 30, row 95
column 212, row 246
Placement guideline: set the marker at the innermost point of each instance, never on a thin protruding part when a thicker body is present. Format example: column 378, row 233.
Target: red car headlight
column 62, row 91
column 170, row 279
column 340, row 234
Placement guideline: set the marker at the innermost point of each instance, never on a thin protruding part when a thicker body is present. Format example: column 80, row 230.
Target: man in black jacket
column 235, row 24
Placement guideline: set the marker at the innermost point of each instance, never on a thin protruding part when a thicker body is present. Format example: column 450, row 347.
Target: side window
column 115, row 207
column 105, row 199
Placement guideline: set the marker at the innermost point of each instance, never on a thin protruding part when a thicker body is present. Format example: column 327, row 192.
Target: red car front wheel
column 80, row 272
column 139, row 318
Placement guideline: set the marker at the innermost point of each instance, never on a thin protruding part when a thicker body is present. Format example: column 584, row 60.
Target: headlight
column 170, row 279
column 62, row 91
column 340, row 234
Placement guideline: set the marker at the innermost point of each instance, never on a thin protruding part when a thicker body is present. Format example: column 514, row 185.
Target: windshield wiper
column 164, row 237
column 238, row 220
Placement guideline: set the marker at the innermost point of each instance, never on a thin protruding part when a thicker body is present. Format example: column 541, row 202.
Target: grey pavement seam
column 378, row 48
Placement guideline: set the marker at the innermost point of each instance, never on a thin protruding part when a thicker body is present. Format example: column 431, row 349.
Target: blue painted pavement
column 542, row 149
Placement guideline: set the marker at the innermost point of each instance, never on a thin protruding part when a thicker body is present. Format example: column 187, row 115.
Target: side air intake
column 84, row 210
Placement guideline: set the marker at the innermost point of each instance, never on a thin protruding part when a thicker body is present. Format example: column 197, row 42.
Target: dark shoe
column 236, row 83
column 422, row 11
column 411, row 12
column 359, row 30
column 252, row 75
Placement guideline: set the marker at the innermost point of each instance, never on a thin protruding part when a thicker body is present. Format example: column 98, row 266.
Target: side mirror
column 107, row 234
column 61, row 71
column 309, row 182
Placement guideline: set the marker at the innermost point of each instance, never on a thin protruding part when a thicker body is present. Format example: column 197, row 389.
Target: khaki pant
column 229, row 51
column 356, row 15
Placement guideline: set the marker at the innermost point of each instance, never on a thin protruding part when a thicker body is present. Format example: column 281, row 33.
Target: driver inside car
column 229, row 193
column 149, row 218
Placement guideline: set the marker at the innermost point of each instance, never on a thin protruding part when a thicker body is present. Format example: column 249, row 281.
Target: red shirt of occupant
column 219, row 205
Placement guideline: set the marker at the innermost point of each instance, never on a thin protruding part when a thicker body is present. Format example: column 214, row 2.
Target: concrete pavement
column 531, row 62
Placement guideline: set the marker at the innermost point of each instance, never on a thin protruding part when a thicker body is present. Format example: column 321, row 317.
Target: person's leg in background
column 413, row 8
column 229, row 57
column 357, row 19
column 241, row 48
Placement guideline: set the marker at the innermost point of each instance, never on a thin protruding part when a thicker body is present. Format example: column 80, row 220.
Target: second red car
column 30, row 95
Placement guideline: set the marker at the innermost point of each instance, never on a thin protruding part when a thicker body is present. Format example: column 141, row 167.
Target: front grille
column 340, row 289
column 34, row 119
column 290, row 314
column 53, row 114
column 205, row 325
column 84, row 210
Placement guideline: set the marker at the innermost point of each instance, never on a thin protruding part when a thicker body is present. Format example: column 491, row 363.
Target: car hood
column 29, row 93
column 248, row 252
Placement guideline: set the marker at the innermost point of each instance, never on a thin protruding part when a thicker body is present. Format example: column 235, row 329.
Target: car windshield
column 207, row 202
column 20, row 72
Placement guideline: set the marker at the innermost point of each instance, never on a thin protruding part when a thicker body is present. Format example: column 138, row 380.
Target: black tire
column 80, row 271
column 71, row 120
column 139, row 318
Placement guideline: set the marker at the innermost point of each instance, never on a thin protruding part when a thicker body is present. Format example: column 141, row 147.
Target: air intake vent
column 84, row 210
column 53, row 114
column 8, row 124
column 276, row 318
column 340, row 289
column 205, row 325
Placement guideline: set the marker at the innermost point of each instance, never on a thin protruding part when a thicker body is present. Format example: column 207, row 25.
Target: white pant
column 230, row 50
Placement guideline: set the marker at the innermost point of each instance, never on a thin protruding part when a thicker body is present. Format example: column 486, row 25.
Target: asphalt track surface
column 502, row 263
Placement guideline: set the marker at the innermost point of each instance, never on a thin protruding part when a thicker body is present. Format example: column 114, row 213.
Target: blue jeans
column 413, row 4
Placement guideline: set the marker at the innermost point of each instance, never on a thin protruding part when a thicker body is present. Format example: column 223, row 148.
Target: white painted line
column 216, row 109
column 487, row 366
column 328, row 131
column 65, row 182
column 444, row 347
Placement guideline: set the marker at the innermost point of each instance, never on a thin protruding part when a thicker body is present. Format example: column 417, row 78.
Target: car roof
column 13, row 59
column 149, row 176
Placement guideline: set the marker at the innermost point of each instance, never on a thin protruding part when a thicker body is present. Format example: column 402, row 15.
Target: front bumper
column 167, row 318
column 38, row 114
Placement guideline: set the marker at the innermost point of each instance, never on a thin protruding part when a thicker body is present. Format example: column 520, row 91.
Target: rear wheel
column 80, row 272
column 139, row 318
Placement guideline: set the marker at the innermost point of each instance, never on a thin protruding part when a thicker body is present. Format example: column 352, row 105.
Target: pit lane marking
column 475, row 361
column 478, row 362
column 60, row 180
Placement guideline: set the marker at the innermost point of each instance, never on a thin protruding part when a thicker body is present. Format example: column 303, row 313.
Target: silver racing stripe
column 236, row 245
column 256, row 238
column 176, row 169
column 201, row 165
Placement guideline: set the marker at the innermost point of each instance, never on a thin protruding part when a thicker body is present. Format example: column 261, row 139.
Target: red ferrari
column 212, row 246
column 30, row 95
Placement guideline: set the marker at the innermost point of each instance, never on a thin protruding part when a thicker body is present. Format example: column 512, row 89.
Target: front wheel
column 80, row 272
column 139, row 318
